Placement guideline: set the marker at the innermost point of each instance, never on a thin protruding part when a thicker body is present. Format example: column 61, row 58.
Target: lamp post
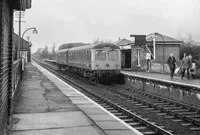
column 163, row 48
column 34, row 32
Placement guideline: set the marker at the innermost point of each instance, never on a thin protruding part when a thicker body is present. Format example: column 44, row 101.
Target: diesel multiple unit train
column 98, row 62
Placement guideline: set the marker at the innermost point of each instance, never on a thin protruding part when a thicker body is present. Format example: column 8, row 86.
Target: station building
column 142, row 58
column 125, row 48
column 7, row 62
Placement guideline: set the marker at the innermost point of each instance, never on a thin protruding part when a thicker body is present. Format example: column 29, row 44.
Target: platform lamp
column 34, row 32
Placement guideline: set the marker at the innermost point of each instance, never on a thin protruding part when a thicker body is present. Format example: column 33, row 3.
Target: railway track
column 165, row 107
column 171, row 109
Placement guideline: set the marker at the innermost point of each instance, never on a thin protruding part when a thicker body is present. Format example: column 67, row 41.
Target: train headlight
column 107, row 65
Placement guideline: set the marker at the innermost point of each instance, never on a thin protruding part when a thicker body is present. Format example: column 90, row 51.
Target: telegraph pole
column 19, row 15
column 19, row 45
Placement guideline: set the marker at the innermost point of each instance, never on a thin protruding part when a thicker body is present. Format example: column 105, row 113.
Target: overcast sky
column 63, row 21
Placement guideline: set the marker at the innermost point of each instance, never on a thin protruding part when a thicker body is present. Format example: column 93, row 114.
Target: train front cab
column 106, row 62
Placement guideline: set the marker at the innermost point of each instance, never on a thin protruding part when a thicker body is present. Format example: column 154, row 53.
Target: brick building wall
column 6, row 29
column 157, row 64
column 168, row 49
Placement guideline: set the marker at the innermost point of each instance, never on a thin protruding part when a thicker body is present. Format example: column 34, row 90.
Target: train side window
column 85, row 55
column 89, row 55
column 79, row 55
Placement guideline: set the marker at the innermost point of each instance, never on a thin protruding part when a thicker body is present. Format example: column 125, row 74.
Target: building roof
column 160, row 38
column 24, row 45
column 122, row 42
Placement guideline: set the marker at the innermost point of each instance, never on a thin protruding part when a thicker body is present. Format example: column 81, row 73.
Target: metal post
column 154, row 47
column 34, row 29
column 26, row 31
column 19, row 45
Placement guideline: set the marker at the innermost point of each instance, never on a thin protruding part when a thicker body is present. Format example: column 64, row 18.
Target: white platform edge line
column 192, row 85
column 125, row 124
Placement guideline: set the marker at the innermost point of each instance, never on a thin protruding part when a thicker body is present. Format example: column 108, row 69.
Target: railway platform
column 165, row 78
column 45, row 105
column 180, row 90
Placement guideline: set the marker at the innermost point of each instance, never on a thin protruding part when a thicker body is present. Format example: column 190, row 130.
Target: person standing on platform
column 172, row 65
column 185, row 65
column 148, row 58
column 193, row 67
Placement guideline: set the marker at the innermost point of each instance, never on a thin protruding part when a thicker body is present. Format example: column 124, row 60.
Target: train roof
column 63, row 50
column 95, row 46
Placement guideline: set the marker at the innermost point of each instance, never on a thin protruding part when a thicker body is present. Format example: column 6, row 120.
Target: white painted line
column 180, row 83
column 125, row 124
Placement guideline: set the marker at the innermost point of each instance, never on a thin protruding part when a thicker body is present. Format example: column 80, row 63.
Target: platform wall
column 188, row 95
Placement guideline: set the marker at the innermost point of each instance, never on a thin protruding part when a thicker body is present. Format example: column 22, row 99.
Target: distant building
column 125, row 46
column 164, row 46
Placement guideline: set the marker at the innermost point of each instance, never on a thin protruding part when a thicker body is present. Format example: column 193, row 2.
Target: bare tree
column 187, row 40
column 97, row 40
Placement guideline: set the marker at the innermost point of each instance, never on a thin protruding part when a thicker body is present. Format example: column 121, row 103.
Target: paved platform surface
column 165, row 77
column 47, row 106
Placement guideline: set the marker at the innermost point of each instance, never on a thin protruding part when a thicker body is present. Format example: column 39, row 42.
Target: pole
column 24, row 33
column 19, row 45
column 154, row 47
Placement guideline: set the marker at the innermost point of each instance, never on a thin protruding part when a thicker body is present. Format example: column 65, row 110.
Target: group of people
column 187, row 65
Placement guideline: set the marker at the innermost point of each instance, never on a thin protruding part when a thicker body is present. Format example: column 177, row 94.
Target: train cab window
column 113, row 55
column 100, row 55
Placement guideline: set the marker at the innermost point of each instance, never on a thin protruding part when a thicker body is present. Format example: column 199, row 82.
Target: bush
column 193, row 50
